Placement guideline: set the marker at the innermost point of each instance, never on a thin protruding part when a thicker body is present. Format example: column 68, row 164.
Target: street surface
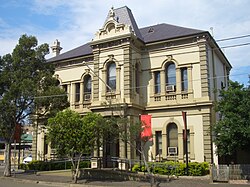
column 42, row 180
column 13, row 183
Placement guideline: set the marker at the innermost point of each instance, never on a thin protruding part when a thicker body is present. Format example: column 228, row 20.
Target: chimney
column 56, row 48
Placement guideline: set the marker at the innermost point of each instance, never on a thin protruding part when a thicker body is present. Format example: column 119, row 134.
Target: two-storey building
column 159, row 70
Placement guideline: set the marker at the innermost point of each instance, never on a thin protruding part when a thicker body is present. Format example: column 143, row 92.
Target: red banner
column 18, row 132
column 146, row 125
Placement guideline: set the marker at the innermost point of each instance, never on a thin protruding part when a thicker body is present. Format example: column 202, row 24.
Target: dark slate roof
column 124, row 15
column 147, row 34
column 77, row 52
column 165, row 31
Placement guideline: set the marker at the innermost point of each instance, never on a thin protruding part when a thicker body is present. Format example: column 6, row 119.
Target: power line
column 144, row 86
column 179, row 53
column 233, row 38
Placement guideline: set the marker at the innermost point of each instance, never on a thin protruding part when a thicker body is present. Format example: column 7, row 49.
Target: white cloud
column 79, row 20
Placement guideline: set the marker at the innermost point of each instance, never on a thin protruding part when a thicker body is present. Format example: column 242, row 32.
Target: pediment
column 113, row 27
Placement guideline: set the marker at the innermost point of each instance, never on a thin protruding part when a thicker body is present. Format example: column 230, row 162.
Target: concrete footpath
column 63, row 178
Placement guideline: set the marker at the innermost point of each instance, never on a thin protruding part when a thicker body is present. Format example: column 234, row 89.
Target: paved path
column 53, row 179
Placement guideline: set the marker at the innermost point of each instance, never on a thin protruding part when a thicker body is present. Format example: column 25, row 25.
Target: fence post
column 227, row 171
column 211, row 173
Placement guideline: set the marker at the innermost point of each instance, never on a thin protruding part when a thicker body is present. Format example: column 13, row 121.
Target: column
column 49, row 151
column 151, row 87
column 178, row 83
column 69, row 92
column 180, row 145
column 81, row 95
column 118, row 81
column 192, row 156
column 190, row 82
column 72, row 95
column 164, row 142
column 163, row 83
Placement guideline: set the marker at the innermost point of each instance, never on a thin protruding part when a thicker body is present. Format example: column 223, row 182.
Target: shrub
column 51, row 165
column 174, row 168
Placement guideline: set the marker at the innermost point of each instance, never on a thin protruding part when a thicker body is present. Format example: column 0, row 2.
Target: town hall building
column 160, row 71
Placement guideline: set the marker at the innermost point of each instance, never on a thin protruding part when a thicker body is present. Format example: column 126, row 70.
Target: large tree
column 232, row 131
column 73, row 136
column 27, row 88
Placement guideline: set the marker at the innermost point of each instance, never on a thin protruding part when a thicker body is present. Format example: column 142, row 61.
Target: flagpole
column 184, row 116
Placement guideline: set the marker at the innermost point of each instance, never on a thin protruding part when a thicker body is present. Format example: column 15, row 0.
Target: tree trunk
column 77, row 169
column 151, row 175
column 7, row 159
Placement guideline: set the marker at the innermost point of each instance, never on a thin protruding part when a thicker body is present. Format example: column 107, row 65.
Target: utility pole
column 184, row 116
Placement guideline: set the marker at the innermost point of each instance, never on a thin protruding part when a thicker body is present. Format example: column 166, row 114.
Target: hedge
column 174, row 168
column 51, row 165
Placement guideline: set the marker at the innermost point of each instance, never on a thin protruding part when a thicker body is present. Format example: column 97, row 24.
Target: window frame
column 157, row 82
column 111, row 86
column 170, row 70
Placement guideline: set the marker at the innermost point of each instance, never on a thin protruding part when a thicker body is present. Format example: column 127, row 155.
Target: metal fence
column 224, row 173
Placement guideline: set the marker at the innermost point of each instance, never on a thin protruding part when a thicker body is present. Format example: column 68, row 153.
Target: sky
column 74, row 23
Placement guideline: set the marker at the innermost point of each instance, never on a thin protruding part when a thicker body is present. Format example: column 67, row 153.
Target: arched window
column 87, row 84
column 87, row 87
column 170, row 75
column 137, row 78
column 172, row 138
column 111, row 78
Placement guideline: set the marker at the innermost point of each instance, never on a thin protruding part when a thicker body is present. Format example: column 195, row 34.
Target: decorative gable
column 115, row 25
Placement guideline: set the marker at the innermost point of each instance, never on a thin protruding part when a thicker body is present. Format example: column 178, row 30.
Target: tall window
column 87, row 87
column 170, row 75
column 172, row 138
column 111, row 78
column 184, row 79
column 158, row 137
column 137, row 78
column 157, row 81
column 77, row 92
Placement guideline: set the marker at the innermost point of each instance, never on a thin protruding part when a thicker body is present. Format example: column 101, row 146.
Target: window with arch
column 170, row 76
column 172, row 138
column 184, row 79
column 111, row 76
column 87, row 87
column 137, row 78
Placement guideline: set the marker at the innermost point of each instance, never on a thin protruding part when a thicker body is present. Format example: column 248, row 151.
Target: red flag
column 17, row 134
column 146, row 125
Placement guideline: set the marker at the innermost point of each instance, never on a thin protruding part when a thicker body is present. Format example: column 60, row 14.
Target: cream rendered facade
column 142, row 58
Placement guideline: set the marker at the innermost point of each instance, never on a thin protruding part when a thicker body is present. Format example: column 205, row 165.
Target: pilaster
column 204, row 68
column 127, row 73
column 178, row 83
column 96, row 77
column 190, row 82
column 207, row 137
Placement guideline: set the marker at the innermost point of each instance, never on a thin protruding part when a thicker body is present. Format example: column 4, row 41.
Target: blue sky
column 74, row 22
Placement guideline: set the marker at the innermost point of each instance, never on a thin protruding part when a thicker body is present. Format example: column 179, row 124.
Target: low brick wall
column 107, row 174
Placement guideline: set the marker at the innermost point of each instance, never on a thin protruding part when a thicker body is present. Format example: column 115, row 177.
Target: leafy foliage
column 27, row 87
column 52, row 165
column 73, row 136
column 232, row 131
column 174, row 168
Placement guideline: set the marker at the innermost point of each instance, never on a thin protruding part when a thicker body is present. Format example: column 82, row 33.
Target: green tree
column 74, row 135
column 232, row 131
column 27, row 86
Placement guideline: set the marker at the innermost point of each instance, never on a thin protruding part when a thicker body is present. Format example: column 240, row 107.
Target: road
column 30, row 180
column 13, row 183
